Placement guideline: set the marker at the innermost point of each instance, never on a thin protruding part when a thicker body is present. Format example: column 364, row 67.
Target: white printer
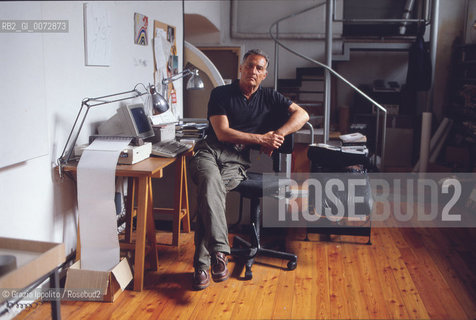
column 131, row 155
column 134, row 154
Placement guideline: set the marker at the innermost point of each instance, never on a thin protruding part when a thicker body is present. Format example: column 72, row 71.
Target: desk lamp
column 88, row 103
column 159, row 103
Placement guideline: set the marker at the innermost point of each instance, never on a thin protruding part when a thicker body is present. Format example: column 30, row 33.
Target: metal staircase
column 311, row 87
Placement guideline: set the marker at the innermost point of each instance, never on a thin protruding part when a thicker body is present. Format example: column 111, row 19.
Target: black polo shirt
column 266, row 109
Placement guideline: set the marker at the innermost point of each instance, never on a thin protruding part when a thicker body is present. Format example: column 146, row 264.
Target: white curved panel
column 200, row 60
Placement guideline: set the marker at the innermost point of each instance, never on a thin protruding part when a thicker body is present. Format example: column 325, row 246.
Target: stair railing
column 334, row 73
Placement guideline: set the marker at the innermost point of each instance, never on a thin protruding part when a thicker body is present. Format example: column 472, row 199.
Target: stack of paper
column 353, row 139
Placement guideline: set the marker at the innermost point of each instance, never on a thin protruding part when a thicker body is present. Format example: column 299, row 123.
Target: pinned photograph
column 170, row 34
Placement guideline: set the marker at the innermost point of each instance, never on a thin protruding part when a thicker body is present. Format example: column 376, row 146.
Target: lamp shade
column 195, row 82
column 159, row 104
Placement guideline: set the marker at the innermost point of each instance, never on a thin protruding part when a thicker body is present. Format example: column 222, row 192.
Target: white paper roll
column 97, row 214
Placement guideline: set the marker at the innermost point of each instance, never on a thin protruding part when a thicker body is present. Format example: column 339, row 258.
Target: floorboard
column 404, row 274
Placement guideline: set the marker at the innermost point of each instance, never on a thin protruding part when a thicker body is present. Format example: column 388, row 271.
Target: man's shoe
column 219, row 269
column 201, row 279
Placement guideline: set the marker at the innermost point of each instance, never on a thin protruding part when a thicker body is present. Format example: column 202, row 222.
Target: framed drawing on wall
column 141, row 23
column 97, row 34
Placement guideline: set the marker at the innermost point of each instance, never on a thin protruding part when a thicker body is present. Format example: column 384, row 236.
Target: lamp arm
column 97, row 101
column 66, row 154
column 89, row 103
column 178, row 76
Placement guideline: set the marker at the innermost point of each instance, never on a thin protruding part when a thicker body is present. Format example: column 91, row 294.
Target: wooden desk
column 140, row 180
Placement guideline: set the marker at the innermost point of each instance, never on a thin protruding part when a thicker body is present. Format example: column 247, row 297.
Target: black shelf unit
column 462, row 101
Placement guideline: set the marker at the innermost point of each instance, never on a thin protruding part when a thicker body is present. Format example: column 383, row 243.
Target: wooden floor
column 404, row 274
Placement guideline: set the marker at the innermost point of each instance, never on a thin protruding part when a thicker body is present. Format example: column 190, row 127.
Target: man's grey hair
column 258, row 52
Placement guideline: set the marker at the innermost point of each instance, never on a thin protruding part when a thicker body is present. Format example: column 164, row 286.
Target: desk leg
column 154, row 259
column 177, row 203
column 186, row 221
column 142, row 208
column 181, row 201
column 78, row 245
column 131, row 189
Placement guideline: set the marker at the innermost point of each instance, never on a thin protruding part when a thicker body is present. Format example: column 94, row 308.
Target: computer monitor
column 129, row 120
column 135, row 121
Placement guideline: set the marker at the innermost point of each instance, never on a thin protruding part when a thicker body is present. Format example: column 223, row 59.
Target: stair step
column 304, row 79
column 312, row 108
column 309, row 71
column 311, row 91
column 369, row 46
column 315, row 109
column 303, row 74
column 288, row 83
column 298, row 90
column 311, row 88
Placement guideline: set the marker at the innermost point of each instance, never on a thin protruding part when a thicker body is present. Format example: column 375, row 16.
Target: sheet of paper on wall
column 162, row 53
column 97, row 34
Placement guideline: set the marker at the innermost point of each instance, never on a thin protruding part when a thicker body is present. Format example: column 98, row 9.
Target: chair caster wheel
column 248, row 274
column 292, row 265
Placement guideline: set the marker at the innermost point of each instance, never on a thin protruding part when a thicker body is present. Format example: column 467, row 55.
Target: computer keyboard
column 169, row 149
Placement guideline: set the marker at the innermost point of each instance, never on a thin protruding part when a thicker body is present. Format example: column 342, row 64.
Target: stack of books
column 191, row 130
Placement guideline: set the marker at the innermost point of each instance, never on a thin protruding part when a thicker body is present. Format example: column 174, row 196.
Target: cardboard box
column 34, row 259
column 83, row 284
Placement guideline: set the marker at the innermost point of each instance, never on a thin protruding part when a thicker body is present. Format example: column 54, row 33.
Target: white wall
column 209, row 9
column 242, row 19
column 34, row 202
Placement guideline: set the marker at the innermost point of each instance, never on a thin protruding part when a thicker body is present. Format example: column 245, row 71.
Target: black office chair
column 254, row 188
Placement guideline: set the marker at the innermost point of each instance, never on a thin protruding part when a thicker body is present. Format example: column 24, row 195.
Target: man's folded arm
column 298, row 117
column 224, row 133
